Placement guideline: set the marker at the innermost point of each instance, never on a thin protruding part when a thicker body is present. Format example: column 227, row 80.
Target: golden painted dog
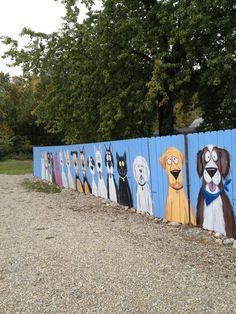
column 177, row 206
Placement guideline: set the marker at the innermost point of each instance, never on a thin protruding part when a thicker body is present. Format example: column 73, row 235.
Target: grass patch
column 13, row 166
column 41, row 186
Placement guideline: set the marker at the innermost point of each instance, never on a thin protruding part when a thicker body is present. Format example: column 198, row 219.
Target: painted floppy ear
column 163, row 161
column 182, row 157
column 199, row 163
column 224, row 161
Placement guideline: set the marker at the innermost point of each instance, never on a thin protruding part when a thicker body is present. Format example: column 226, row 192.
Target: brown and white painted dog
column 214, row 210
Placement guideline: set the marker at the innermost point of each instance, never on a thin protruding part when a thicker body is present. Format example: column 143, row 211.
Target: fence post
column 187, row 173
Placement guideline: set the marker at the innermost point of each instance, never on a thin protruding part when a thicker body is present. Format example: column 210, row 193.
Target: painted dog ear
column 124, row 156
column 105, row 147
column 199, row 163
column 163, row 161
column 224, row 161
column 117, row 156
column 110, row 148
column 83, row 150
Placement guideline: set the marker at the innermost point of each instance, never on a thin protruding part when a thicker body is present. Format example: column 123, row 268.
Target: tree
column 127, row 66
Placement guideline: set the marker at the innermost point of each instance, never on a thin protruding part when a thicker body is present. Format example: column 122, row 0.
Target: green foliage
column 125, row 68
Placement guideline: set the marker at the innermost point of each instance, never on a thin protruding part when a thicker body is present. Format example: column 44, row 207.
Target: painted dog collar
column 210, row 197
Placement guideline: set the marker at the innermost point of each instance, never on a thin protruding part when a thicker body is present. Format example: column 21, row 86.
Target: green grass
column 40, row 186
column 12, row 166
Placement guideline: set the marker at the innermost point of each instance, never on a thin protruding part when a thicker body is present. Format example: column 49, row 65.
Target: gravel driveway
column 72, row 253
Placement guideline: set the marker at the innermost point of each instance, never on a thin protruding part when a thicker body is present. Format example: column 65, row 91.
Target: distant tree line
column 18, row 127
column 123, row 71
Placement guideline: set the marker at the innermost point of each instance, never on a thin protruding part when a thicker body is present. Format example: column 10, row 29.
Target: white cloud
column 39, row 15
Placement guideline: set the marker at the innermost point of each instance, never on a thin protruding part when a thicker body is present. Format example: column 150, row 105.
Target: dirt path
column 70, row 253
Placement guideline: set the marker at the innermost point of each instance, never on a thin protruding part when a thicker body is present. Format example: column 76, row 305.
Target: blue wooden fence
column 151, row 175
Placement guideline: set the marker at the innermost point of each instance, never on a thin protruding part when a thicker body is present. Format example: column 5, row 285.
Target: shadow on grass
column 40, row 186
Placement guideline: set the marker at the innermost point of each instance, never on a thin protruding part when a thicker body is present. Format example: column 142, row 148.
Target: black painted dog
column 125, row 196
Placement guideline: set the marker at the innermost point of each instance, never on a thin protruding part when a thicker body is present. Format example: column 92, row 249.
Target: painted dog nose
column 175, row 173
column 99, row 165
column 211, row 171
column 140, row 170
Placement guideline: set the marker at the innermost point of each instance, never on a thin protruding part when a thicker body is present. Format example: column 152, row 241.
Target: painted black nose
column 175, row 173
column 211, row 171
column 140, row 170
column 99, row 165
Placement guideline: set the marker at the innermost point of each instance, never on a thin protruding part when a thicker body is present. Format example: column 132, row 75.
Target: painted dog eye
column 169, row 160
column 214, row 155
column 123, row 163
column 207, row 156
column 175, row 159
column 120, row 163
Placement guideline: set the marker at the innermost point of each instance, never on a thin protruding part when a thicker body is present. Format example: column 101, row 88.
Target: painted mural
column 214, row 209
column 101, row 187
column 91, row 165
column 125, row 196
column 178, row 208
column 86, row 185
column 150, row 175
column 141, row 174
column 112, row 189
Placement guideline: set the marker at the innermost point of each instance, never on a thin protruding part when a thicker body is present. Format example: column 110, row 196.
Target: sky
column 38, row 15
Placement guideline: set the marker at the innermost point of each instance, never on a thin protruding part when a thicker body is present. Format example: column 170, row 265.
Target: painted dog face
column 91, row 165
column 74, row 155
column 61, row 159
column 82, row 159
column 172, row 161
column 109, row 160
column 98, row 161
column 141, row 170
column 121, row 165
column 45, row 158
column 213, row 163
column 49, row 159
column 67, row 158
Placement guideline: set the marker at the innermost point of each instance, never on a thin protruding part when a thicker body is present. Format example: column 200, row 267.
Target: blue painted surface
column 152, row 149
column 223, row 139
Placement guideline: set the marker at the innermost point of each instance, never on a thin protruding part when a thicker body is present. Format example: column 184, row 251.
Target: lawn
column 12, row 166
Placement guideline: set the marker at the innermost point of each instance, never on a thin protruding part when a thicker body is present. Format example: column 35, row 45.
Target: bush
column 6, row 147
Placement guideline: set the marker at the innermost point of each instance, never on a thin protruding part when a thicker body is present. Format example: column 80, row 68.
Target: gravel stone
column 219, row 241
column 70, row 253
column 234, row 245
column 228, row 241
column 218, row 235
column 173, row 224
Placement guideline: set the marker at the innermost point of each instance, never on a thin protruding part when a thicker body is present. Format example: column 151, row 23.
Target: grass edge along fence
column 182, row 178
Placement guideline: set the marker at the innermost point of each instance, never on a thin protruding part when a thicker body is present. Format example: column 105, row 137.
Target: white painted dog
column 102, row 191
column 143, row 195
column 91, row 165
